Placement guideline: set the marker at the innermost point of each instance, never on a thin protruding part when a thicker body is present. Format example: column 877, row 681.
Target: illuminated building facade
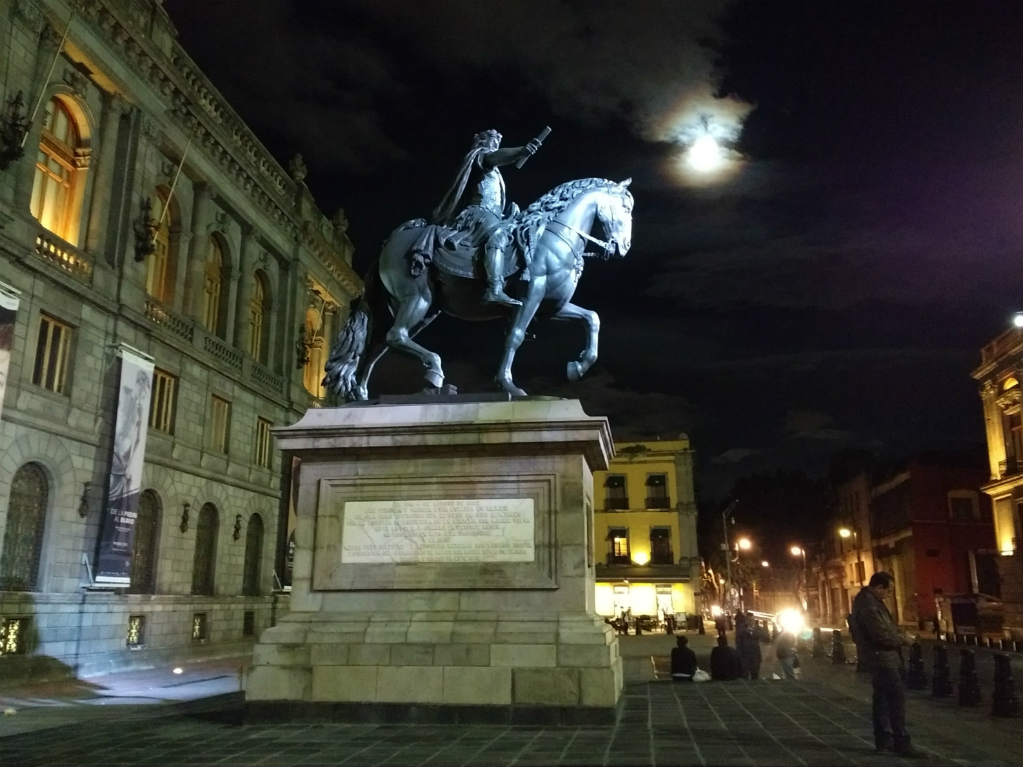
column 144, row 225
column 999, row 381
column 846, row 548
column 931, row 528
column 645, row 530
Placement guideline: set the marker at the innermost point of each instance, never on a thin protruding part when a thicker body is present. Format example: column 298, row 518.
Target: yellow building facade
column 645, row 530
column 999, row 382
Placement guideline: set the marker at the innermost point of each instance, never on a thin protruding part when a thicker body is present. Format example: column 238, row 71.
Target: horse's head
column 615, row 212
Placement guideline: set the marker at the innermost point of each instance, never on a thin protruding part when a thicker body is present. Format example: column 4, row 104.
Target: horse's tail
column 342, row 368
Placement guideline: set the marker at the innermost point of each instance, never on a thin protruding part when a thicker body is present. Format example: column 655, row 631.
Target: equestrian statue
column 476, row 249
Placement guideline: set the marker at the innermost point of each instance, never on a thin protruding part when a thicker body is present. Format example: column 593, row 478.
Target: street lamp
column 846, row 532
column 744, row 544
column 764, row 563
column 799, row 551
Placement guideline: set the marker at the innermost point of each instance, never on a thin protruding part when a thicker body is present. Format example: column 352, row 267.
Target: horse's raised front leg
column 577, row 368
column 407, row 316
column 516, row 334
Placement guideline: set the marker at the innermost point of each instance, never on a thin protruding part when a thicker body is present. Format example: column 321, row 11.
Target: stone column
column 49, row 39
column 246, row 257
column 103, row 167
column 232, row 274
column 197, row 251
column 278, row 306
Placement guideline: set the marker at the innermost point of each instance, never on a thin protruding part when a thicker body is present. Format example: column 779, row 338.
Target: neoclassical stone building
column 142, row 224
column 999, row 384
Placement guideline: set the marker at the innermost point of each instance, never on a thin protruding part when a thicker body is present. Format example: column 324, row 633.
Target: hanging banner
column 117, row 527
column 9, row 300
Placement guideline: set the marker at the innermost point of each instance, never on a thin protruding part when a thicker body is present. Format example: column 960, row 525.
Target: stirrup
column 495, row 295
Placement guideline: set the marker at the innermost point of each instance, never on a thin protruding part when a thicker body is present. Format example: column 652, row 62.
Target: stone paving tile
column 736, row 723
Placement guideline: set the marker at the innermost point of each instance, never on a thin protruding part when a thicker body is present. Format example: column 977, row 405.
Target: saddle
column 450, row 252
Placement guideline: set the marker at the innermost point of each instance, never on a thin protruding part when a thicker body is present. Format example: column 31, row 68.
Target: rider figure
column 485, row 213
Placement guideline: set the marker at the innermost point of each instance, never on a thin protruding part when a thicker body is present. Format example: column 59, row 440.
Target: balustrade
column 54, row 251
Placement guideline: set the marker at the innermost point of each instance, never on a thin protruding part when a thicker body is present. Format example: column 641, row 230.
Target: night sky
column 832, row 290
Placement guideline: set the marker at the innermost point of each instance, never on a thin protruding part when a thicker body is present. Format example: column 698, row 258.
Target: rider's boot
column 495, row 293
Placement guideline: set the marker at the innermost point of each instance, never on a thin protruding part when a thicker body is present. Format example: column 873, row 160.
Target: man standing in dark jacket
column 725, row 662
column 872, row 625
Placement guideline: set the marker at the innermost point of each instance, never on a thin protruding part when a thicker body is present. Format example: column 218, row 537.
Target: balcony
column 616, row 504
column 1009, row 468
column 160, row 315
column 616, row 559
column 657, row 502
column 56, row 252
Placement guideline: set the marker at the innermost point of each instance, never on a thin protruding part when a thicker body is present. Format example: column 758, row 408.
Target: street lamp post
column 799, row 551
column 727, row 548
column 846, row 532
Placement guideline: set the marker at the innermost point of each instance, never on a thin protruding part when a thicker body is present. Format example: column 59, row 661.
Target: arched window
column 253, row 553
column 23, row 538
column 161, row 264
column 259, row 309
column 206, row 550
column 60, row 171
column 213, row 288
column 147, row 527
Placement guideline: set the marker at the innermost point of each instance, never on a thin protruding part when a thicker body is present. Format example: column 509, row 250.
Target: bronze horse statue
column 550, row 239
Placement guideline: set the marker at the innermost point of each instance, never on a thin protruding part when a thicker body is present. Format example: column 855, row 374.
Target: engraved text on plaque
column 465, row 530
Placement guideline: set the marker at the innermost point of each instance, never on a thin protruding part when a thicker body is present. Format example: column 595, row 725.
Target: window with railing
column 213, row 288
column 136, row 632
column 259, row 308
column 661, row 546
column 53, row 351
column 61, row 162
column 14, row 636
column 618, row 546
column 162, row 401
column 220, row 423
column 262, row 443
column 200, row 629
column 615, row 496
column 657, row 491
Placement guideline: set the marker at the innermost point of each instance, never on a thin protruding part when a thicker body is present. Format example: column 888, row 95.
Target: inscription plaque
column 464, row 530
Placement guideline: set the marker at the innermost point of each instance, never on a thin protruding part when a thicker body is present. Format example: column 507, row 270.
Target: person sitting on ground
column 684, row 661
column 725, row 662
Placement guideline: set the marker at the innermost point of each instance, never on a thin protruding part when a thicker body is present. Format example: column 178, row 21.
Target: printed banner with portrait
column 117, row 528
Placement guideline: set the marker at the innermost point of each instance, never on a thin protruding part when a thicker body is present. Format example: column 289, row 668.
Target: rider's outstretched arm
column 508, row 155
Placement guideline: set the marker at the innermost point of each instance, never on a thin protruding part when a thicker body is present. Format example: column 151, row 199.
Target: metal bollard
column 969, row 692
column 818, row 648
column 1003, row 701
column 838, row 651
column 941, row 686
column 916, row 678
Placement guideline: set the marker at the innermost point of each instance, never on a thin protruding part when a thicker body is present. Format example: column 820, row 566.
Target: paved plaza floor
column 821, row 719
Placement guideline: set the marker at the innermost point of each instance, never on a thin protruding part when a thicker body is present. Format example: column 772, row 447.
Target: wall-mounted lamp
column 146, row 228
column 185, row 508
column 83, row 502
column 13, row 127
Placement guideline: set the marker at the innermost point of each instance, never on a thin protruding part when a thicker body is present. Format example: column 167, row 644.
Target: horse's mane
column 529, row 222
column 551, row 203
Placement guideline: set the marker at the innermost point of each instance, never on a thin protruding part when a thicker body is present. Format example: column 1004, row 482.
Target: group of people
column 741, row 662
column 877, row 636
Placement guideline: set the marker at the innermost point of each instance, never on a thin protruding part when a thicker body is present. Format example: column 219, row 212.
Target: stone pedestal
column 443, row 567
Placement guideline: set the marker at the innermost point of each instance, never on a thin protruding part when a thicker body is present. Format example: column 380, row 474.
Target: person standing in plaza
column 785, row 653
column 725, row 662
column 749, row 647
column 883, row 640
